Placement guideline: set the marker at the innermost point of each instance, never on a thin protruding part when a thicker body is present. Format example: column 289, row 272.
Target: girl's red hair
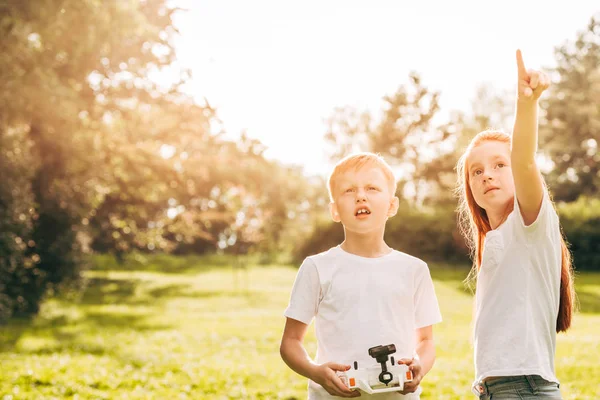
column 474, row 224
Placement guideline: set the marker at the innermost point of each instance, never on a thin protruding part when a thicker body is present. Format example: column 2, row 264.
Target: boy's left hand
column 414, row 365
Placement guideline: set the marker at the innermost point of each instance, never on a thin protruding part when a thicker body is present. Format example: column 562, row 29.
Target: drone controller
column 378, row 378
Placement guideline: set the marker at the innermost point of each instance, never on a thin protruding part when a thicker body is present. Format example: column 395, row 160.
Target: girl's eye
column 477, row 172
column 501, row 165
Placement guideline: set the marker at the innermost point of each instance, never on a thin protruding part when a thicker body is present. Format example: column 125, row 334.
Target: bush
column 17, row 262
column 429, row 234
column 432, row 234
column 581, row 225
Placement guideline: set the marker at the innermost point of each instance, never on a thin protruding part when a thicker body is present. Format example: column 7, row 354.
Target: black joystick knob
column 381, row 353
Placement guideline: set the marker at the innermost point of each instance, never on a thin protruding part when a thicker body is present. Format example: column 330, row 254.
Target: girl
column 524, row 292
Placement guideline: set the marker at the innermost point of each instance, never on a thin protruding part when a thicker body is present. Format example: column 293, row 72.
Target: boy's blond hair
column 356, row 161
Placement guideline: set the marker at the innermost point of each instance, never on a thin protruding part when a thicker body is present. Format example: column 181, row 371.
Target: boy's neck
column 365, row 246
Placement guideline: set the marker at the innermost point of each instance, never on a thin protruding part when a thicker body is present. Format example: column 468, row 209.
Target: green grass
column 188, row 328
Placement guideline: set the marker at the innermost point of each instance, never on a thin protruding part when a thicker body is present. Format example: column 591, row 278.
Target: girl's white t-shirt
column 359, row 303
column 517, row 297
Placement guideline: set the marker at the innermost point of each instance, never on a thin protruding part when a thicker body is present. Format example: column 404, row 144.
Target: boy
column 362, row 292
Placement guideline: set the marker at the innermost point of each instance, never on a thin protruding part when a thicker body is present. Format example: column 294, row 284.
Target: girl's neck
column 497, row 217
column 496, row 220
column 367, row 245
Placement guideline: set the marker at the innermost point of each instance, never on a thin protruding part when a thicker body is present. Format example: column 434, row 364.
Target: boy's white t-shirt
column 359, row 303
column 517, row 297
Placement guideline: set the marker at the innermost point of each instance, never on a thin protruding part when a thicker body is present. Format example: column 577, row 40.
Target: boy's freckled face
column 363, row 199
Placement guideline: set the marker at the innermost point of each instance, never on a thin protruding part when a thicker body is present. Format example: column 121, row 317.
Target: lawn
column 194, row 328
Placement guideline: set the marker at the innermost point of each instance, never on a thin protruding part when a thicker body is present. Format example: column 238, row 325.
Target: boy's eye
column 349, row 190
column 372, row 188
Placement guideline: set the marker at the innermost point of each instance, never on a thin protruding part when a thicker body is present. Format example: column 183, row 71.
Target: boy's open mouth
column 362, row 211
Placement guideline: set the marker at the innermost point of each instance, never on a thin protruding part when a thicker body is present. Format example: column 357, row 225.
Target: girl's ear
column 394, row 204
column 335, row 215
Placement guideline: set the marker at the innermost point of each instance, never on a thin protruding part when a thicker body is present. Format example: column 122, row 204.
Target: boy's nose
column 361, row 196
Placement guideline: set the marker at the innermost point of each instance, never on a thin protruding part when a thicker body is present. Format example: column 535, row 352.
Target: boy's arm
column 529, row 187
column 422, row 363
column 295, row 356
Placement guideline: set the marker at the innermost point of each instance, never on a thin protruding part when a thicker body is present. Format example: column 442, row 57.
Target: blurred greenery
column 150, row 329
column 98, row 155
column 192, row 232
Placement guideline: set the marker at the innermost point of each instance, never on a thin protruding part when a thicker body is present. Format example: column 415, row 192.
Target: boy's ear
column 394, row 204
column 335, row 215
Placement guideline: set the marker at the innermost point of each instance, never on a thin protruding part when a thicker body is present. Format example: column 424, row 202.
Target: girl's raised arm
column 529, row 187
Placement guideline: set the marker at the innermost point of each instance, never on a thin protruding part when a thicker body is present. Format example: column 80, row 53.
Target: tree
column 571, row 132
column 490, row 109
column 405, row 135
column 68, row 68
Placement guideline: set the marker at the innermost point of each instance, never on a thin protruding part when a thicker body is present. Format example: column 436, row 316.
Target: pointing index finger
column 520, row 64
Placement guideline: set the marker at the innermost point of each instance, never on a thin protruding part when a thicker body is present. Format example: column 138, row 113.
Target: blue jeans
column 519, row 387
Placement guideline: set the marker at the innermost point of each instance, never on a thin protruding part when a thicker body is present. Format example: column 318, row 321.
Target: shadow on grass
column 134, row 305
column 11, row 332
column 131, row 292
column 102, row 290
column 170, row 264
column 65, row 335
column 67, row 332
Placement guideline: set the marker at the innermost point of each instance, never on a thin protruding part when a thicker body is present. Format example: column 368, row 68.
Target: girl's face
column 490, row 175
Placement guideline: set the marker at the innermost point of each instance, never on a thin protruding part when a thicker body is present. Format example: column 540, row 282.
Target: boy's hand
column 325, row 376
column 531, row 83
column 414, row 365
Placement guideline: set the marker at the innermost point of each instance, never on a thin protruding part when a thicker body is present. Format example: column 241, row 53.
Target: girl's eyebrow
column 474, row 165
column 494, row 158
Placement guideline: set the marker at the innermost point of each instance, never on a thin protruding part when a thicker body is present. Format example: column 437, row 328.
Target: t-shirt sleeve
column 304, row 299
column 427, row 310
column 545, row 218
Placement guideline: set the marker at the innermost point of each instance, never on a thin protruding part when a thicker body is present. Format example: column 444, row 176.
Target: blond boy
column 362, row 293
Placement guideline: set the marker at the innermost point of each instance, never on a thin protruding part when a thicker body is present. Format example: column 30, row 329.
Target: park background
column 163, row 171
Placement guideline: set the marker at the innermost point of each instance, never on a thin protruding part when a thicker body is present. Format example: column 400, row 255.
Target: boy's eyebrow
column 344, row 184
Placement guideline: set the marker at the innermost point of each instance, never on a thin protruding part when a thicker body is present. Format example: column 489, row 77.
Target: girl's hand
column 325, row 376
column 531, row 83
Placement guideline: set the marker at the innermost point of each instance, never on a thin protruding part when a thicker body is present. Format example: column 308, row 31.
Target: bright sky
column 277, row 69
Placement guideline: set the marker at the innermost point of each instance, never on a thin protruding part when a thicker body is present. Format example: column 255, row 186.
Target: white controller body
column 367, row 379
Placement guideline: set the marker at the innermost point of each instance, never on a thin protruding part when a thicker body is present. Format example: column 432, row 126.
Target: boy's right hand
column 325, row 376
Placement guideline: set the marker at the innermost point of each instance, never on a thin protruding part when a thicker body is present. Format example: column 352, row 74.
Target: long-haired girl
column 524, row 291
